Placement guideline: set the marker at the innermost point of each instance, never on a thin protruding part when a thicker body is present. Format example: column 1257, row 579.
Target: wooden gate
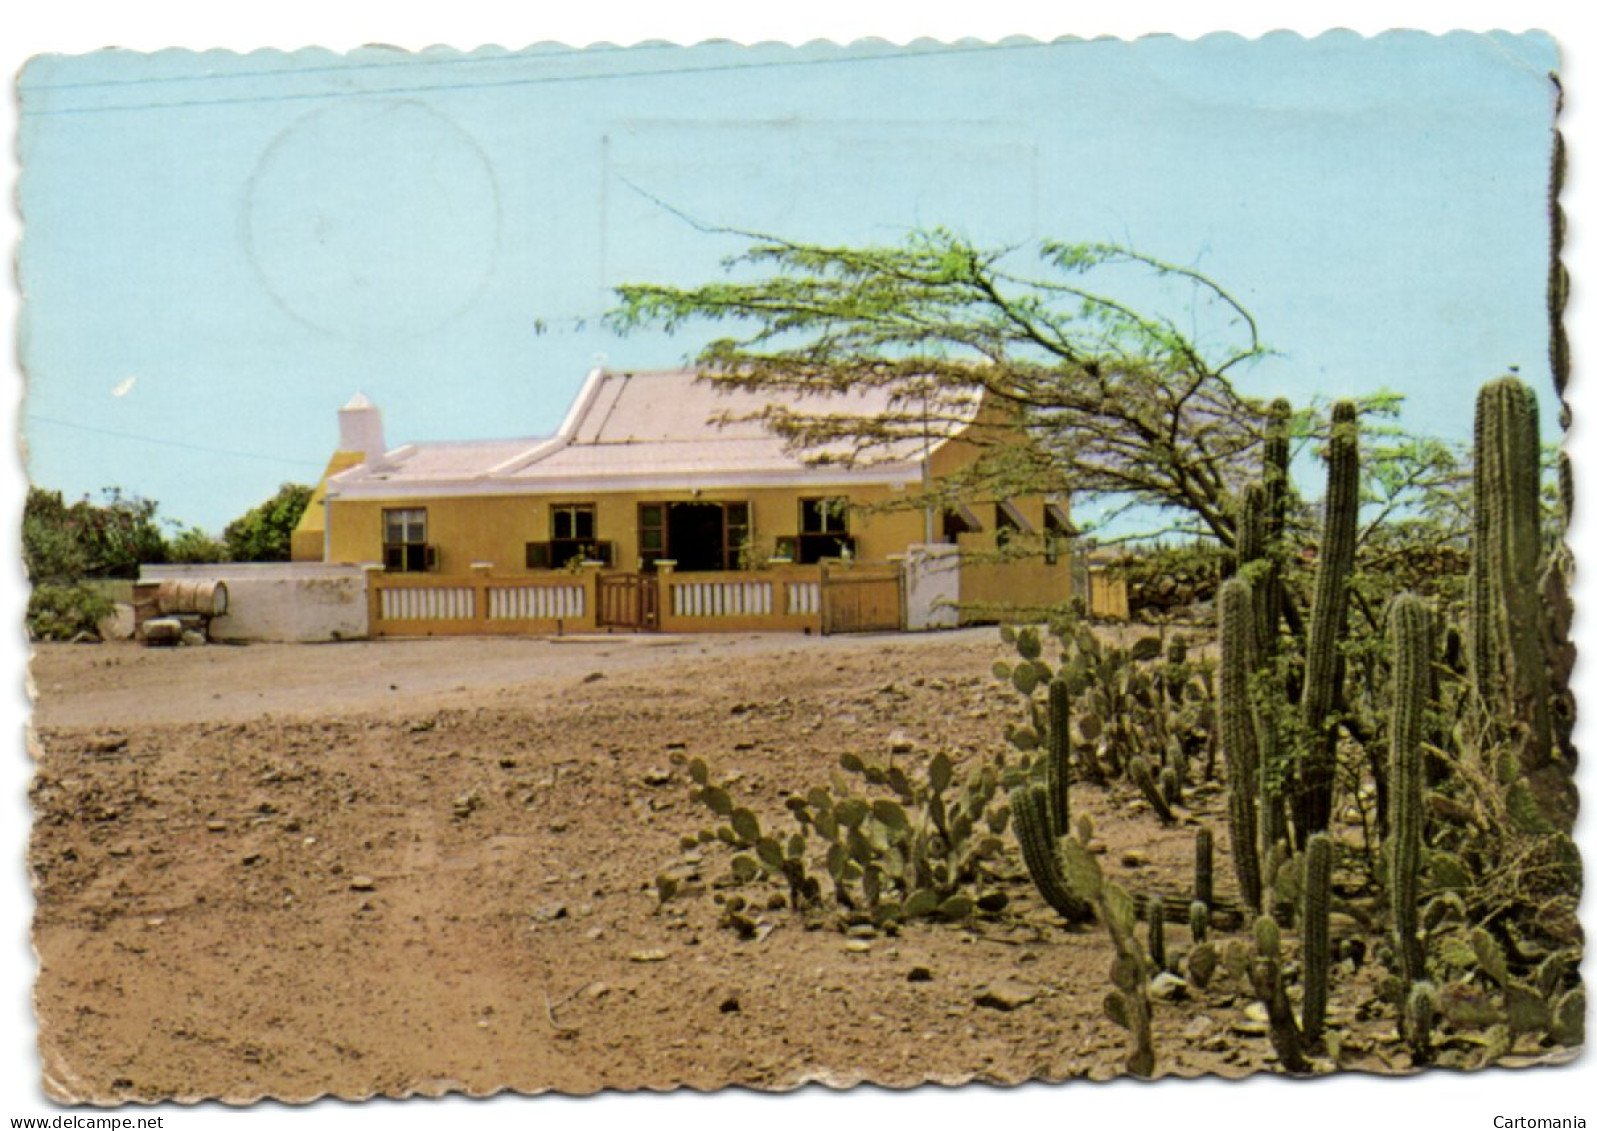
column 630, row 601
column 861, row 599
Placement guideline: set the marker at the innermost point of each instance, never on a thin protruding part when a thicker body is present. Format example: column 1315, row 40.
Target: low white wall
column 290, row 602
column 931, row 587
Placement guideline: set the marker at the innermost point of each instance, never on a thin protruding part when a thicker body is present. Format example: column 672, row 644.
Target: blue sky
column 221, row 249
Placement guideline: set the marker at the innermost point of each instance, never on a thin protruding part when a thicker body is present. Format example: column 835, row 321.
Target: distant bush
column 64, row 612
column 192, row 546
column 266, row 533
column 63, row 543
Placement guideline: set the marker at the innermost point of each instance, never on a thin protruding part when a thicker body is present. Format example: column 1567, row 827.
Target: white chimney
column 360, row 428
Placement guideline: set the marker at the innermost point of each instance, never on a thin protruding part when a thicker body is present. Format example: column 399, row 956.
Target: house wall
column 988, row 579
column 308, row 542
column 497, row 528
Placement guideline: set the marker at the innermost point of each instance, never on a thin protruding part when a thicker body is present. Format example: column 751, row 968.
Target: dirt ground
column 429, row 866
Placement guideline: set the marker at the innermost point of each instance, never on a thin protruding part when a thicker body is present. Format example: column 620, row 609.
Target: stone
column 648, row 956
column 163, row 631
column 1167, row 987
column 362, row 883
column 549, row 912
column 1007, row 995
column 920, row 974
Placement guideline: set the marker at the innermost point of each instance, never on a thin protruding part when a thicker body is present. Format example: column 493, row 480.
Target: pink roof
column 629, row 429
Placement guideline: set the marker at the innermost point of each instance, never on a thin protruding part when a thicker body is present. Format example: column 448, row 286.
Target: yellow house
column 662, row 473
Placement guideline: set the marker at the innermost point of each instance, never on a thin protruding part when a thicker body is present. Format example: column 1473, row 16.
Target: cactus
column 1419, row 1017
column 1410, row 641
column 1322, row 677
column 1170, row 786
column 1156, row 952
column 1252, row 522
column 1316, row 935
column 1058, row 751
column 1265, row 973
column 1198, row 921
column 1142, row 776
column 1238, row 738
column 1277, row 461
column 1277, row 485
column 1127, row 1004
column 1038, row 848
column 1483, row 657
column 1507, row 558
column 1203, row 867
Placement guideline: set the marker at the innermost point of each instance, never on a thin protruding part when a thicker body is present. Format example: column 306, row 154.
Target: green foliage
column 64, row 543
column 65, row 546
column 64, row 612
column 265, row 533
column 193, row 546
column 1120, row 402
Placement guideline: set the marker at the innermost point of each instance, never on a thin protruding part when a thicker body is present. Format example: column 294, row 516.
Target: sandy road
column 125, row 684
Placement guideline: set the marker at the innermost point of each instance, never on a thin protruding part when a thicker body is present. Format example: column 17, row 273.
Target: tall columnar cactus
column 1277, row 498
column 1510, row 634
column 1237, row 735
column 1277, row 461
column 1252, row 521
column 1316, row 933
column 1156, row 951
column 1039, row 848
column 1058, row 755
column 1322, row 676
column 1483, row 658
column 1409, row 629
column 1203, row 867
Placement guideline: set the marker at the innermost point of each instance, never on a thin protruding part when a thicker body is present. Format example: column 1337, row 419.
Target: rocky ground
column 430, row 866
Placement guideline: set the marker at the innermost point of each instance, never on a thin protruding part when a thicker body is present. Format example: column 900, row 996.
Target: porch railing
column 783, row 598
column 410, row 604
column 777, row 599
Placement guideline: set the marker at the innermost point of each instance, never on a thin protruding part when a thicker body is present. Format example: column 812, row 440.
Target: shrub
column 64, row 612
